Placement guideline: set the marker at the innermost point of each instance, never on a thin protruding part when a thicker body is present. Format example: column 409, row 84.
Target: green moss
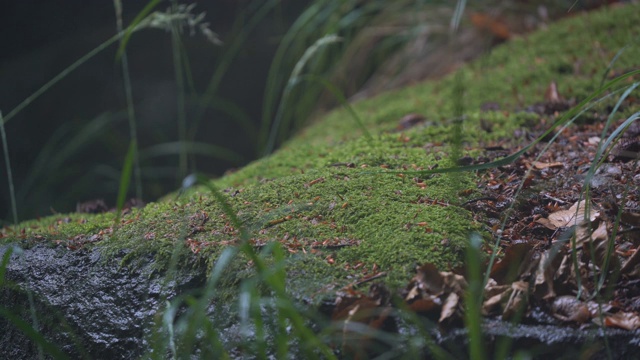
column 325, row 197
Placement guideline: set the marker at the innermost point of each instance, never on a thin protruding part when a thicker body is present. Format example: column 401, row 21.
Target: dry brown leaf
column 570, row 217
column 594, row 140
column 630, row 218
column 492, row 305
column 632, row 266
column 570, row 309
column 454, row 282
column 551, row 94
column 624, row 320
column 508, row 299
column 516, row 258
column 517, row 299
column 545, row 274
column 449, row 307
column 541, row 165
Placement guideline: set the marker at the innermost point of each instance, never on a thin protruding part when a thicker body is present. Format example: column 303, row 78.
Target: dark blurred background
column 68, row 146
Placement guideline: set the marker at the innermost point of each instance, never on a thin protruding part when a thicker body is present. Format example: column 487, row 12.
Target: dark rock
column 86, row 306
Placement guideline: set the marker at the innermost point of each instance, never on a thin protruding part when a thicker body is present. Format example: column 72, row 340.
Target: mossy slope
column 324, row 196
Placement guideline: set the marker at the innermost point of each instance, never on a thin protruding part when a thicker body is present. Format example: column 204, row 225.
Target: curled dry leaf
column 551, row 94
column 575, row 215
column 542, row 165
column 511, row 301
column 451, row 304
column 509, row 268
column 624, row 320
column 435, row 294
column 410, row 120
column 569, row 309
column 631, row 267
column 354, row 309
column 595, row 244
column 545, row 276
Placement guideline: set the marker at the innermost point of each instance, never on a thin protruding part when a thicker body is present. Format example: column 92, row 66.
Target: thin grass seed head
column 180, row 16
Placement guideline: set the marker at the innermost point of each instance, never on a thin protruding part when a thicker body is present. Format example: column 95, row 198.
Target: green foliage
column 309, row 180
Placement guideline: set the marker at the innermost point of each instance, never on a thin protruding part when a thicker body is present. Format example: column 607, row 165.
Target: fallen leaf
column 569, row 309
column 624, row 320
column 570, row 217
column 540, row 165
column 509, row 267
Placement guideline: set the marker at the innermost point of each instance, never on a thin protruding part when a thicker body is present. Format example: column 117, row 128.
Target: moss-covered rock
column 346, row 206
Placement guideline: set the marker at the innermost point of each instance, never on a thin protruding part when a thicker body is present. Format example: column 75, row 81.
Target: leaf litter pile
column 569, row 240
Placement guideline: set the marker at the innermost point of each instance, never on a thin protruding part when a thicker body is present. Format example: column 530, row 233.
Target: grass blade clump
column 195, row 330
column 278, row 127
column 341, row 99
column 33, row 334
column 209, row 98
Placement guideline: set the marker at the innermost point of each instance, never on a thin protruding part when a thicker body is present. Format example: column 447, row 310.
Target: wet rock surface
column 549, row 341
column 85, row 306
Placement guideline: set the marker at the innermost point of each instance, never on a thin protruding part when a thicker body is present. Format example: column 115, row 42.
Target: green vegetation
column 321, row 213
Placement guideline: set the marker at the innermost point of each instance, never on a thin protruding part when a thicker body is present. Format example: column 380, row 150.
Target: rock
column 86, row 306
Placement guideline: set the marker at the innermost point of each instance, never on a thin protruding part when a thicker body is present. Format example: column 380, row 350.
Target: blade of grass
column 44, row 88
column 315, row 13
column 341, row 99
column 513, row 157
column 33, row 334
column 125, row 179
column 278, row 287
column 194, row 148
column 473, row 298
column 126, row 36
column 117, row 4
column 229, row 55
column 293, row 80
column 182, row 112
column 45, row 164
column 7, row 162
column 6, row 258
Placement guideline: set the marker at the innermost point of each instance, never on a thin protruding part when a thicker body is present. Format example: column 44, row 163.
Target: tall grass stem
column 69, row 69
column 117, row 4
column 182, row 117
column 12, row 192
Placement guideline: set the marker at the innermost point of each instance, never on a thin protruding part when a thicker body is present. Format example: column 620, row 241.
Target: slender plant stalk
column 61, row 76
column 117, row 4
column 473, row 298
column 341, row 99
column 125, row 179
column 182, row 119
column 227, row 59
column 12, row 192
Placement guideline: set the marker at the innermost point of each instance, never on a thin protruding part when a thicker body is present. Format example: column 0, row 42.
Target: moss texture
column 324, row 196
